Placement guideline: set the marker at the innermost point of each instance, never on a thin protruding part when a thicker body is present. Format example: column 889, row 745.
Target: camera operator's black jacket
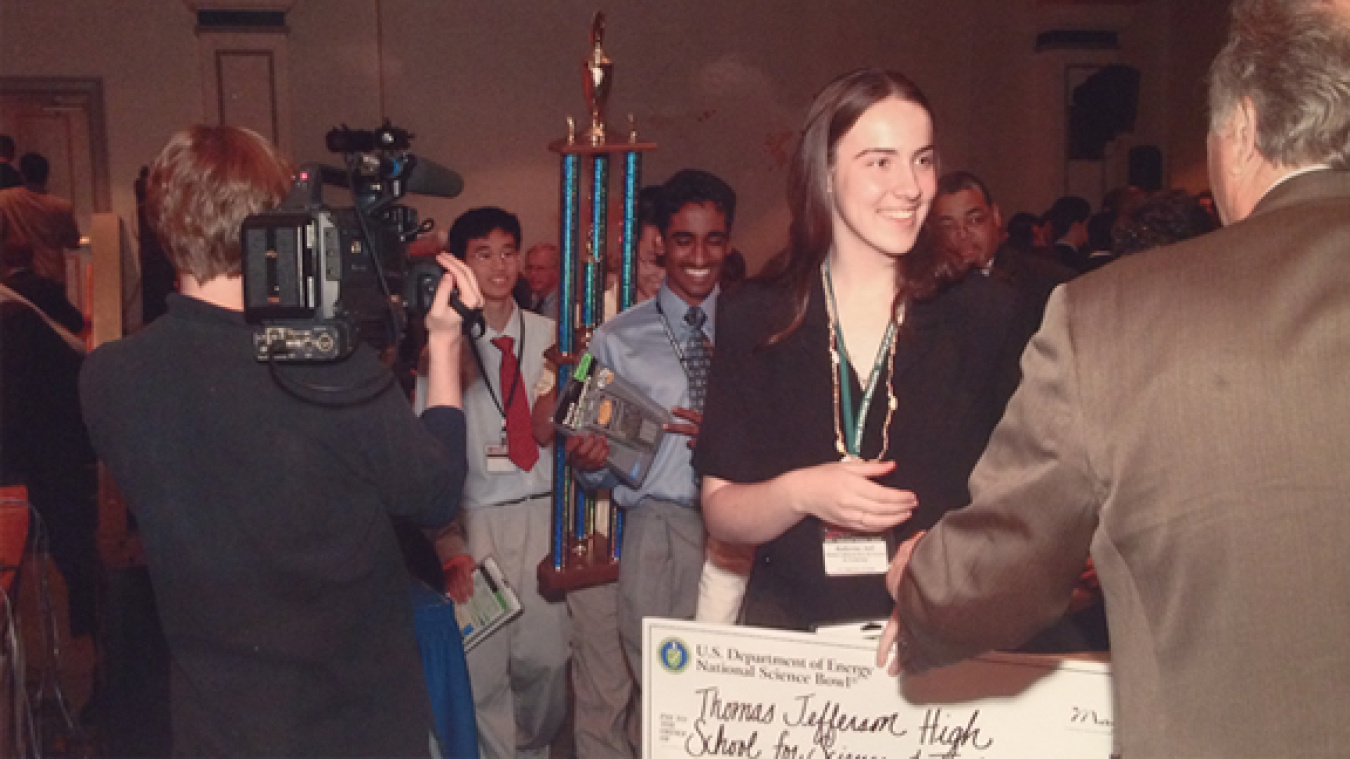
column 267, row 531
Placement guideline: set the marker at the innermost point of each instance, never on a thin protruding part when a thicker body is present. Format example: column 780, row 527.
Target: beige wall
column 719, row 85
column 1197, row 32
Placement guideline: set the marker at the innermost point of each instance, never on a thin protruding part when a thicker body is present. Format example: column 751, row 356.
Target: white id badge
column 853, row 553
column 499, row 460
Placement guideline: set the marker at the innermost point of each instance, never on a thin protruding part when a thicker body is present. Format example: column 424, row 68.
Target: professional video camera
column 318, row 280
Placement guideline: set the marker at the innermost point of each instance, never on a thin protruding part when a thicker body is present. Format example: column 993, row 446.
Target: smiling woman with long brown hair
column 854, row 389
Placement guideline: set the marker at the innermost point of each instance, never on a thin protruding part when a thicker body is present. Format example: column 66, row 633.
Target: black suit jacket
column 1033, row 276
column 1069, row 256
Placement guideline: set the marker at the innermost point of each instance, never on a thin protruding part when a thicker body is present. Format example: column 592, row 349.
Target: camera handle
column 474, row 325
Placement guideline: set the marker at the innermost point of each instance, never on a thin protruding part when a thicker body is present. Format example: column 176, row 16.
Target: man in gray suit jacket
column 1184, row 419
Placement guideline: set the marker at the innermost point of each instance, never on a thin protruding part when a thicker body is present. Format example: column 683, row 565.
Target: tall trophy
column 588, row 532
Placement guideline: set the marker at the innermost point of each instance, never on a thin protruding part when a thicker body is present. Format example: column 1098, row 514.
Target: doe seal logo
column 673, row 655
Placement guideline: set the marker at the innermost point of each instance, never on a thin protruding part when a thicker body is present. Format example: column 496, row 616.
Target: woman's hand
column 844, row 494
column 445, row 333
column 841, row 493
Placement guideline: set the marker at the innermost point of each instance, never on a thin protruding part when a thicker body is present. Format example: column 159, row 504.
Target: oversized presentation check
column 717, row 690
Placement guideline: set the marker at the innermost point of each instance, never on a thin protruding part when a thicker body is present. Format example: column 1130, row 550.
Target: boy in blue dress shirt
column 664, row 346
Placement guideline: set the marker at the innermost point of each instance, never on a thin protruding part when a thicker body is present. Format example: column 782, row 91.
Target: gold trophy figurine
column 599, row 75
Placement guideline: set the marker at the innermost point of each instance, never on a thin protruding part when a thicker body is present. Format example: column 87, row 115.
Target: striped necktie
column 697, row 356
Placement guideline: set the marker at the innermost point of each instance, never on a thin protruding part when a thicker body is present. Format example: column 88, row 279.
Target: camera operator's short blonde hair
column 1292, row 58
column 202, row 185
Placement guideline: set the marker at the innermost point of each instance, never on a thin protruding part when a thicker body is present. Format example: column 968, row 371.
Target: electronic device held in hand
column 597, row 400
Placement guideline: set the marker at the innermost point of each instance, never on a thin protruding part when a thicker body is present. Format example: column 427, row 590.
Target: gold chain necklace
column 835, row 358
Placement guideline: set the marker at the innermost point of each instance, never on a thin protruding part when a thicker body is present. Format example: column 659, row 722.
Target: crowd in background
column 870, row 387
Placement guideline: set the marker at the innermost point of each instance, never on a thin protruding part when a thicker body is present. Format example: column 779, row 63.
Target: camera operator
column 267, row 518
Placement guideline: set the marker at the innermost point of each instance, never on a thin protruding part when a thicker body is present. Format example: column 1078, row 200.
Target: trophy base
column 588, row 564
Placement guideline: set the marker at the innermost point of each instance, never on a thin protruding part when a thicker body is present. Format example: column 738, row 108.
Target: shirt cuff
column 447, row 424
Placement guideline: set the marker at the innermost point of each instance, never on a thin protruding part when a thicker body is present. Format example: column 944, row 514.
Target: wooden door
column 62, row 120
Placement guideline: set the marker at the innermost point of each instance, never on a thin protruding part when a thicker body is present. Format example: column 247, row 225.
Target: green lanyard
column 854, row 429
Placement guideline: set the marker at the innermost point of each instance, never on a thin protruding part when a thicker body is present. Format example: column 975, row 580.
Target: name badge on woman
column 848, row 553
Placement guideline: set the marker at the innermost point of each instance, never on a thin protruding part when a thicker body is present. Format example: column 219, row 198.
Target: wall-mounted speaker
column 227, row 20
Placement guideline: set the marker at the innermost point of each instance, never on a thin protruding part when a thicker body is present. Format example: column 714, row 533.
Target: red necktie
column 520, row 445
